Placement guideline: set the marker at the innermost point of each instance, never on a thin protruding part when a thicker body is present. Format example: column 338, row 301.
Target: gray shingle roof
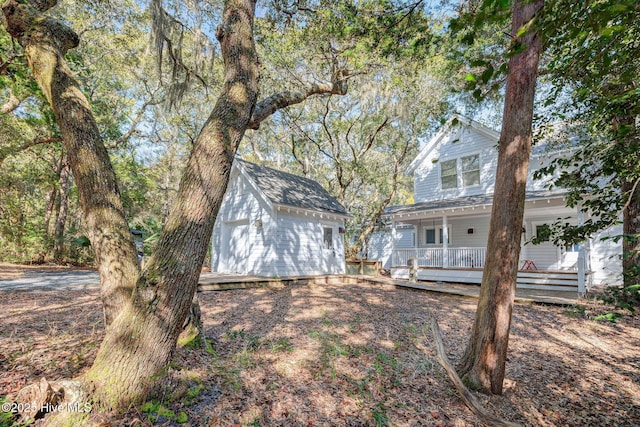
column 464, row 202
column 292, row 190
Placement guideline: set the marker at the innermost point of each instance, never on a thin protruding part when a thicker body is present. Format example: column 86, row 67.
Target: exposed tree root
column 468, row 398
column 60, row 398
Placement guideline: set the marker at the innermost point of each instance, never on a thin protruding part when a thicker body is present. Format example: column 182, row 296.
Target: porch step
column 550, row 281
column 565, row 281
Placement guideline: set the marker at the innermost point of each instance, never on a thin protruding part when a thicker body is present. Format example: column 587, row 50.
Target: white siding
column 606, row 262
column 253, row 253
column 300, row 247
column 380, row 248
column 427, row 184
column 381, row 244
column 536, row 163
column 604, row 255
column 287, row 244
column 460, row 236
column 405, row 238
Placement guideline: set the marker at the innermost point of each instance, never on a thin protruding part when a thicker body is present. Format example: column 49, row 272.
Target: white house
column 446, row 230
column 276, row 224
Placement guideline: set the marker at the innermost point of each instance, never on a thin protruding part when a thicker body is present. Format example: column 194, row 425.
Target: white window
column 575, row 248
column 467, row 167
column 328, row 237
column 430, row 236
column 435, row 235
column 470, row 167
column 449, row 174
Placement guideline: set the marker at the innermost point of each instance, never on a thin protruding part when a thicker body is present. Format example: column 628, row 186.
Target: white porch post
column 582, row 274
column 445, row 242
column 393, row 243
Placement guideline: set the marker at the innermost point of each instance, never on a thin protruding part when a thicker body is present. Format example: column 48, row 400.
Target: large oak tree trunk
column 483, row 364
column 45, row 41
column 142, row 338
column 151, row 307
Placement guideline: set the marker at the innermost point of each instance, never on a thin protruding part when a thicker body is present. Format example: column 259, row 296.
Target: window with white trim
column 430, row 236
column 328, row 237
column 575, row 248
column 467, row 167
column 449, row 174
column 435, row 235
column 470, row 168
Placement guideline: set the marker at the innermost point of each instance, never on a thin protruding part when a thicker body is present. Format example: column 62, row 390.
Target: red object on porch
column 529, row 265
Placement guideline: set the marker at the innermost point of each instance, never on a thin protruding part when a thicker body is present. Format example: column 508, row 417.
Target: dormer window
column 449, row 174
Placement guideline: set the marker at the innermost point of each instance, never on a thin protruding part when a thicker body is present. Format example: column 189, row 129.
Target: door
column 236, row 246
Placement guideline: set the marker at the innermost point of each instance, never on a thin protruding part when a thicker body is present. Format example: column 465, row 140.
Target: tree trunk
column 141, row 340
column 45, row 41
column 61, row 219
column 51, row 204
column 483, row 364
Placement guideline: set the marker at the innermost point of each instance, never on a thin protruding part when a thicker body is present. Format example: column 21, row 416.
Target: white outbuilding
column 276, row 224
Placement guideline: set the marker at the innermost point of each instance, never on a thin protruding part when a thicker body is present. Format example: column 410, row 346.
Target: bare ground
column 339, row 355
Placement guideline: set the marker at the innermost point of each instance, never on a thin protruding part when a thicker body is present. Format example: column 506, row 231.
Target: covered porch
column 446, row 241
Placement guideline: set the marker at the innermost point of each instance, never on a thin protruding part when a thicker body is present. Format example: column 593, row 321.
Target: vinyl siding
column 380, row 248
column 242, row 205
column 288, row 244
column 381, row 244
column 300, row 247
column 427, row 183
column 606, row 262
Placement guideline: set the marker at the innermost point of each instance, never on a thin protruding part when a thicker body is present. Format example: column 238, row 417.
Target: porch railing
column 435, row 257
column 466, row 257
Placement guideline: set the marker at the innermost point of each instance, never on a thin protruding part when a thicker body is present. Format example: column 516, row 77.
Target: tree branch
column 136, row 121
column 468, row 398
column 372, row 137
column 12, row 103
column 269, row 105
column 631, row 193
column 6, row 152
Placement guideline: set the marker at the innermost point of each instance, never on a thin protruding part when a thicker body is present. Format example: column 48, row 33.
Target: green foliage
column 622, row 297
column 7, row 419
column 609, row 317
column 283, row 345
column 593, row 56
column 157, row 412
column 379, row 415
column 479, row 47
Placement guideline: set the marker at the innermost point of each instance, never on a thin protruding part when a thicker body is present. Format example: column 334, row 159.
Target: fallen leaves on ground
column 354, row 355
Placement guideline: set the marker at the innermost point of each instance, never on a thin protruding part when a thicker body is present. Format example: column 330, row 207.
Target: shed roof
column 284, row 188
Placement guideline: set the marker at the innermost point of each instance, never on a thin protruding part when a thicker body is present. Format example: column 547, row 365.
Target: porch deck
column 222, row 282
column 541, row 280
column 465, row 265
